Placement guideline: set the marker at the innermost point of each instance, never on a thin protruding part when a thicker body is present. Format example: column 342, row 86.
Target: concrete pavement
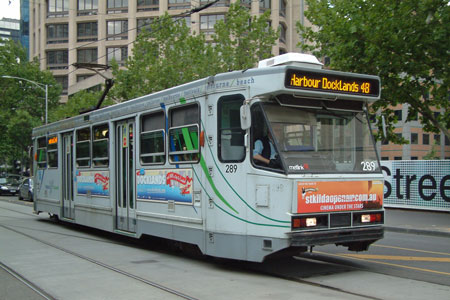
column 417, row 222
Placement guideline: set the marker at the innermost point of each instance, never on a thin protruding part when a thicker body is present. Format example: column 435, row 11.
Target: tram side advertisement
column 329, row 196
column 165, row 185
column 95, row 183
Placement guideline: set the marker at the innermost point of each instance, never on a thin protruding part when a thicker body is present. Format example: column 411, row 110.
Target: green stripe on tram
column 190, row 146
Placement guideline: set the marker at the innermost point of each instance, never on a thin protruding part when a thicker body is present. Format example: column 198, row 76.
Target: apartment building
column 64, row 32
column 421, row 144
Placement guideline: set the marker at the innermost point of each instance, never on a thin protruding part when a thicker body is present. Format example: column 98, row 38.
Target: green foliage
column 242, row 40
column 404, row 42
column 165, row 56
column 168, row 54
column 76, row 103
column 22, row 103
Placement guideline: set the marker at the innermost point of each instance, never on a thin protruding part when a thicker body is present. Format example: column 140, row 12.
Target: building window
column 87, row 55
column 283, row 8
column 57, row 33
column 120, row 55
column 398, row 114
column 283, row 31
column 144, row 24
column 414, row 138
column 187, row 20
column 83, row 147
column 87, row 32
column 264, row 5
column 117, row 6
column 117, row 30
column 384, row 158
column 52, row 151
column 397, row 158
column 83, row 77
column 100, row 146
column 57, row 8
column 64, row 82
column 414, row 158
column 447, row 141
column 57, row 59
column 426, row 139
column 87, row 7
column 437, row 139
column 221, row 3
column 231, row 136
column 41, row 153
column 179, row 4
column 207, row 22
column 184, row 134
column 153, row 138
column 147, row 5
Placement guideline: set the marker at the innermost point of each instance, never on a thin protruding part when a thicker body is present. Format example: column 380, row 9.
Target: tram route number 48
column 230, row 168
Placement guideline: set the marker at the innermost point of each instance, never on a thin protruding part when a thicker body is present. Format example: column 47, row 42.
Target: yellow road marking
column 397, row 257
column 409, row 249
column 386, row 263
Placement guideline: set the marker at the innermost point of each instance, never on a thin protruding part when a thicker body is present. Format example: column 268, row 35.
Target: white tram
column 179, row 164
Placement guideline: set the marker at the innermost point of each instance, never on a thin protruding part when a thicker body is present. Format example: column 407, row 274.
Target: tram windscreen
column 321, row 140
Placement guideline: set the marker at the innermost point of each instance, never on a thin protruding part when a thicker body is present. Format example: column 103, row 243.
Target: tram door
column 125, row 193
column 67, row 187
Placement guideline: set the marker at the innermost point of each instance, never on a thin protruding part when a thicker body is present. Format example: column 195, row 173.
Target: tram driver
column 264, row 152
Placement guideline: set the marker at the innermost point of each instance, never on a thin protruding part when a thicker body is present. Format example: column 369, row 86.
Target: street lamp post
column 39, row 85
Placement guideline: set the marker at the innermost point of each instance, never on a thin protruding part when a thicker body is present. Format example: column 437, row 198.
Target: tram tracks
column 103, row 265
column 237, row 265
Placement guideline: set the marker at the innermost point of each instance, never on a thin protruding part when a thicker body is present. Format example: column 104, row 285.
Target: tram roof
column 256, row 82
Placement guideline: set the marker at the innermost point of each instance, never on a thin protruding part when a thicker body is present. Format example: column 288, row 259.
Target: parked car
column 26, row 189
column 9, row 185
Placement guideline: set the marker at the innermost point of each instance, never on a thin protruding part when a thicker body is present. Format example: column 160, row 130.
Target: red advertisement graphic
column 329, row 196
column 102, row 180
column 184, row 180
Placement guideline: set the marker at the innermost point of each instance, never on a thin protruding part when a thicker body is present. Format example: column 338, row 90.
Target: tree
column 168, row 54
column 404, row 42
column 242, row 40
column 76, row 103
column 22, row 104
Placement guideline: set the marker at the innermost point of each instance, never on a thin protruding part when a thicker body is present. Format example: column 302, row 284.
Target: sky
column 10, row 9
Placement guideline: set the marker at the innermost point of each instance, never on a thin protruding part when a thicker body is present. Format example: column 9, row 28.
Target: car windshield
column 319, row 140
column 9, row 180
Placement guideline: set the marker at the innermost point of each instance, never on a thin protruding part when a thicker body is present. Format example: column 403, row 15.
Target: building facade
column 9, row 29
column 422, row 145
column 64, row 32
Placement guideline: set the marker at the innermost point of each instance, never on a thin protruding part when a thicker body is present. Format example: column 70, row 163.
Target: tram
column 180, row 163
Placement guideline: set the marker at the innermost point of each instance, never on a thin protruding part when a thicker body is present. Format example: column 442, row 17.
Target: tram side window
column 83, row 147
column 100, row 146
column 184, row 134
column 231, row 136
column 41, row 153
column 153, row 139
column 52, row 151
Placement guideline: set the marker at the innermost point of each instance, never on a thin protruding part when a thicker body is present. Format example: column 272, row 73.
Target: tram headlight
column 368, row 218
column 309, row 222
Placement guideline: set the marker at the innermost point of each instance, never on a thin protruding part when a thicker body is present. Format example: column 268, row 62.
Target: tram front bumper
column 337, row 236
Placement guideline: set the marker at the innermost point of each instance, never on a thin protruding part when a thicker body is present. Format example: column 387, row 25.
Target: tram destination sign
column 332, row 83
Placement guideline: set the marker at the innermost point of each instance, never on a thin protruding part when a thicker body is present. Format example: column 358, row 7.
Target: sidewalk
column 417, row 221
